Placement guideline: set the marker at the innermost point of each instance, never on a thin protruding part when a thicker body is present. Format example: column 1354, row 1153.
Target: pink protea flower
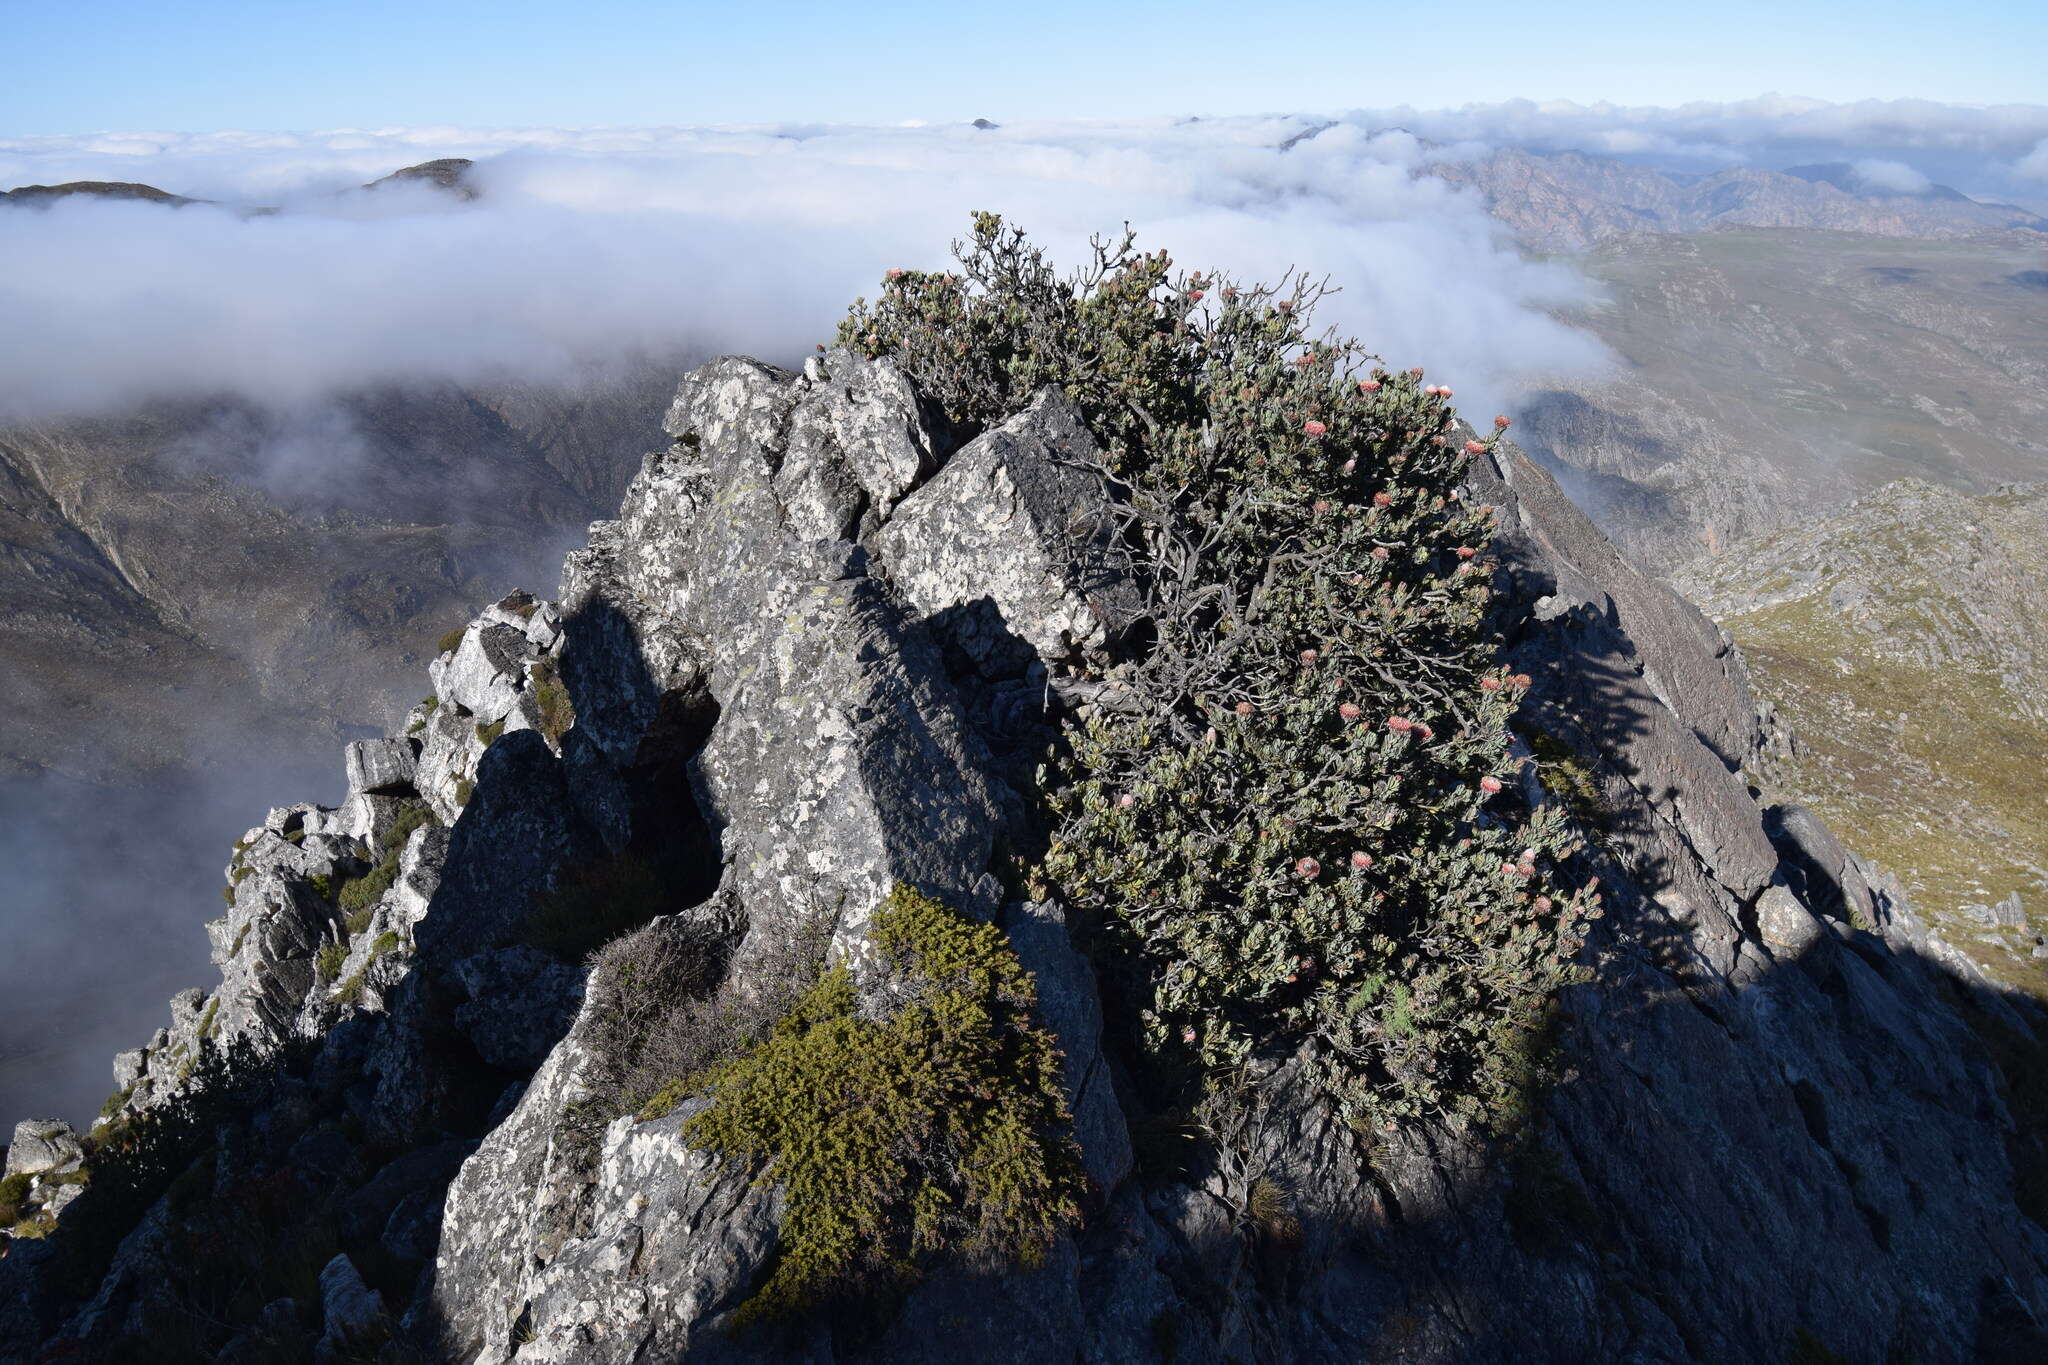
column 1437, row 441
column 1379, row 552
column 1415, row 373
column 1285, row 305
column 1424, row 731
column 1489, row 684
column 1466, row 552
column 1542, row 905
column 893, row 274
column 1368, row 386
column 1187, row 1035
column 1308, row 656
column 1507, row 869
column 1521, row 680
column 1383, row 500
column 1501, row 424
column 1194, row 296
column 1400, row 725
column 1313, row 428
column 1321, row 506
column 1126, row 801
column 1443, row 391
column 1305, row 359
column 1244, row 708
column 1348, row 711
column 1351, row 466
column 1361, row 861
column 1309, row 869
column 1489, row 784
column 1474, row 448
column 1209, row 735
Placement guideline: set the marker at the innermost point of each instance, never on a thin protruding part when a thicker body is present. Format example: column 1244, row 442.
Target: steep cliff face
column 816, row 657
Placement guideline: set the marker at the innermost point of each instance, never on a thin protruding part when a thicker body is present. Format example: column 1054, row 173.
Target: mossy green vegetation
column 451, row 641
column 1294, row 826
column 358, row 896
column 487, row 735
column 929, row 1120
column 557, row 713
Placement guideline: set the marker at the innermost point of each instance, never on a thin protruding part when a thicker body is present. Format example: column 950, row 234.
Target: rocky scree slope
column 814, row 659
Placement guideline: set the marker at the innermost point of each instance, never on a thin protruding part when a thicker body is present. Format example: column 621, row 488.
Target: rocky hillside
column 1567, row 201
column 1903, row 640
column 810, row 665
column 1766, row 376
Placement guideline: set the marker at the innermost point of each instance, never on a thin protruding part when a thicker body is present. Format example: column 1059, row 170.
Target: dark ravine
column 808, row 661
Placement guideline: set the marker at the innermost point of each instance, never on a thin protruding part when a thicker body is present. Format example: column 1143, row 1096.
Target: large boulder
column 44, row 1147
column 1010, row 546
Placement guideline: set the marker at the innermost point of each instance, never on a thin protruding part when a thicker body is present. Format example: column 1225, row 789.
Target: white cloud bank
column 586, row 244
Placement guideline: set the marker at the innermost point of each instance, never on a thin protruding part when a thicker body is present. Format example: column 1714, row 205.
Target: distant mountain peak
column 449, row 173
column 97, row 189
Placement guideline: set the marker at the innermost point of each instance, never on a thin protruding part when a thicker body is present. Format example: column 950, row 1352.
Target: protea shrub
column 1284, row 497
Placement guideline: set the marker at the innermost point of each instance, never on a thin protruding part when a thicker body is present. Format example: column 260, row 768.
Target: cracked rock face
column 801, row 661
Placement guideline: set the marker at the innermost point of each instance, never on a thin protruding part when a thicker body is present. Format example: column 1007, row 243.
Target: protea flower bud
column 1489, row 784
column 1309, row 869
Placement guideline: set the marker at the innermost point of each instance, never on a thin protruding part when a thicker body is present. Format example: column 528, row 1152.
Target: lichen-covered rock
column 350, row 1311
column 521, row 1002
column 1011, row 543
column 44, row 1147
column 383, row 767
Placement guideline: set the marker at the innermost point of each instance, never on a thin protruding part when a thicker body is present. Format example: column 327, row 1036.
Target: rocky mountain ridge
column 1567, row 201
column 814, row 658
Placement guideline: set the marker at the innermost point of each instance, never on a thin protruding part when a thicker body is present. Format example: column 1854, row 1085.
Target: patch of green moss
column 384, row 943
column 937, row 1126
column 206, row 1019
column 464, row 789
column 451, row 641
column 487, row 735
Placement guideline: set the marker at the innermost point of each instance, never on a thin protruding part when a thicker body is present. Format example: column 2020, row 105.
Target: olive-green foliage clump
column 358, row 896
column 936, row 1126
column 452, row 640
column 557, row 713
column 13, row 1194
column 328, row 961
column 487, row 735
column 1291, row 818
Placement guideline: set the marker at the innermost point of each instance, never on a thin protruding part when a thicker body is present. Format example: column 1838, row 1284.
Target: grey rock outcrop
column 43, row 1147
column 1769, row 1082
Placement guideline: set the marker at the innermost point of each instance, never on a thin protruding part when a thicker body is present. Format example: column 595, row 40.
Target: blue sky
column 199, row 65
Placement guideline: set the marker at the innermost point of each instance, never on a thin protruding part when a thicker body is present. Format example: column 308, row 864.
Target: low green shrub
column 487, row 735
column 452, row 641
column 328, row 961
column 931, row 1124
column 358, row 896
column 1288, row 822
column 557, row 713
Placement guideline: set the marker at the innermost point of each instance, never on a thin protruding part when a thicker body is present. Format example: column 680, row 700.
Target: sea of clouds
column 755, row 240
